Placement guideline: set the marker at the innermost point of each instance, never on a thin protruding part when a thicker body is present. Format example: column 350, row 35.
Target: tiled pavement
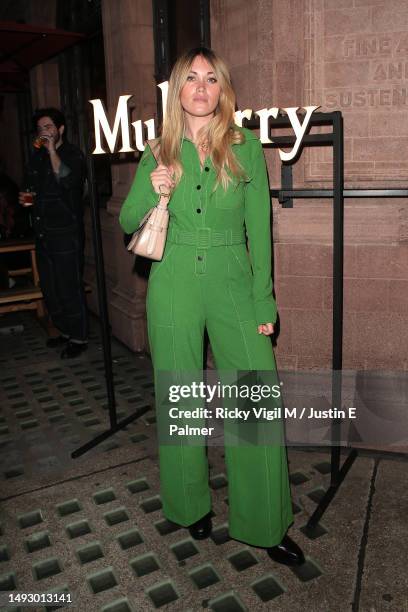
column 93, row 526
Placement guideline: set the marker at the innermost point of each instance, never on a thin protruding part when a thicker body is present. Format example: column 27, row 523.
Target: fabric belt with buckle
column 205, row 237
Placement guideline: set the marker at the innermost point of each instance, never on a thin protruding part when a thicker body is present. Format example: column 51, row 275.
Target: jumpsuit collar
column 207, row 160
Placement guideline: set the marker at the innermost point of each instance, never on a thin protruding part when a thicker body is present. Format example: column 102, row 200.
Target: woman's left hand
column 266, row 329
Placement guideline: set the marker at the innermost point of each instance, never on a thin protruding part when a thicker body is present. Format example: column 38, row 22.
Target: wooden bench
column 29, row 297
column 21, row 299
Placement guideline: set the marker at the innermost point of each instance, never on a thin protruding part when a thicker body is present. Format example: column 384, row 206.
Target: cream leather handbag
column 150, row 237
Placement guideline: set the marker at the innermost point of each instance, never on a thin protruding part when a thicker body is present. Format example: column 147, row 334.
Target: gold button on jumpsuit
column 207, row 279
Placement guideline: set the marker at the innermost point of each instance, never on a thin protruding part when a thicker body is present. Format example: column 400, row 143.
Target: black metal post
column 102, row 300
column 285, row 195
column 104, row 321
column 336, row 140
column 337, row 474
column 337, row 313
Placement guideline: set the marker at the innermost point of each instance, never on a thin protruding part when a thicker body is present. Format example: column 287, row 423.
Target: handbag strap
column 154, row 144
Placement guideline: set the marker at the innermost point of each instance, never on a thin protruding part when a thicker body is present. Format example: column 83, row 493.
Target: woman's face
column 201, row 92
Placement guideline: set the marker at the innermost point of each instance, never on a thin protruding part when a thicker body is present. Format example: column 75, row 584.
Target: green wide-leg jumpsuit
column 207, row 279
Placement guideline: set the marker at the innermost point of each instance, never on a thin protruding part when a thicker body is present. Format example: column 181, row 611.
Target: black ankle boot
column 201, row 529
column 287, row 552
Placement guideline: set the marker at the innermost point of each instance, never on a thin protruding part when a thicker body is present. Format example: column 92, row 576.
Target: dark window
column 185, row 27
column 179, row 25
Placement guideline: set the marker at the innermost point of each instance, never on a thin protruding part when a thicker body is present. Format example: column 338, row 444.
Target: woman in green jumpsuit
column 207, row 279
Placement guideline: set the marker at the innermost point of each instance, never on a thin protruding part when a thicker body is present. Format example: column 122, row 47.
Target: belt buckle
column 204, row 237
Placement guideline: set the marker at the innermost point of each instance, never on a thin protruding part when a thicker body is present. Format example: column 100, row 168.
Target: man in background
column 56, row 176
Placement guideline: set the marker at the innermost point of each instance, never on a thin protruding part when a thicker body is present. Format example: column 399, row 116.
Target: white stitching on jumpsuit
column 176, row 369
column 236, row 313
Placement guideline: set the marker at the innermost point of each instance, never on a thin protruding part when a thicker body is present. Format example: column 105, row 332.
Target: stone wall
column 352, row 56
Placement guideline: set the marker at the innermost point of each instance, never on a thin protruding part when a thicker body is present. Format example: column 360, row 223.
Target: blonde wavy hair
column 219, row 132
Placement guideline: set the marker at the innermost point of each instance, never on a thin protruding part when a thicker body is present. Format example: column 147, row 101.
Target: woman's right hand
column 162, row 180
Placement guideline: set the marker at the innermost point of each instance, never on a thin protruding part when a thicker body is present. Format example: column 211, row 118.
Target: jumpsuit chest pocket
column 231, row 199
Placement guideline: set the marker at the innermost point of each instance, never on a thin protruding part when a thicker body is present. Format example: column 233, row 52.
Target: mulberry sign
column 122, row 126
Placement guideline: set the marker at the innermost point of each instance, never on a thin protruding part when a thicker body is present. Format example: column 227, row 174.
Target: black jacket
column 58, row 206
